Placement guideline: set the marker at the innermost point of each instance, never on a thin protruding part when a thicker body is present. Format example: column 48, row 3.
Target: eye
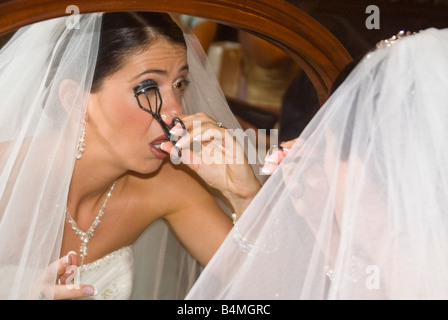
column 145, row 86
column 148, row 96
column 181, row 84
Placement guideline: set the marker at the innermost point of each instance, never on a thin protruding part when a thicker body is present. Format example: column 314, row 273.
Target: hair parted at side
column 125, row 33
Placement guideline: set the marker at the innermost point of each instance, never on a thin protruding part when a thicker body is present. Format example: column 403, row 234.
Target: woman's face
column 117, row 127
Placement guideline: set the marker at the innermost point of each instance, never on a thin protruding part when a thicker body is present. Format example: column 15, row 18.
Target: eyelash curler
column 149, row 89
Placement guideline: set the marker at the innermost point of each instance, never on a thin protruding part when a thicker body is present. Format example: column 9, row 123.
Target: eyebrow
column 158, row 71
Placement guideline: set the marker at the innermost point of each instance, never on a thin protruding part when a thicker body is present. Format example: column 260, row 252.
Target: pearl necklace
column 86, row 236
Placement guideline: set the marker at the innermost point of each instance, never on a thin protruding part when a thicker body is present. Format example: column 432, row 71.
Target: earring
column 81, row 143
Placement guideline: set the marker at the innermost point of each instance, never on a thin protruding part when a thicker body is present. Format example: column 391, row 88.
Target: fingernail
column 177, row 130
column 66, row 258
column 71, row 252
column 271, row 158
column 268, row 168
column 182, row 142
column 162, row 147
column 89, row 291
column 265, row 171
column 72, row 256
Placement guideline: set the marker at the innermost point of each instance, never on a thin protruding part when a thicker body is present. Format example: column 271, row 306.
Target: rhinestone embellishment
column 86, row 236
column 245, row 245
column 393, row 39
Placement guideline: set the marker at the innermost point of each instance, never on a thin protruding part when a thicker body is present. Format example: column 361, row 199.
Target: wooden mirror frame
column 311, row 45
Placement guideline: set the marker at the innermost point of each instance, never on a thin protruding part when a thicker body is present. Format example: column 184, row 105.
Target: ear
column 70, row 94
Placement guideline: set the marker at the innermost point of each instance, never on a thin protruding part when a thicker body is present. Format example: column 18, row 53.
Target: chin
column 149, row 167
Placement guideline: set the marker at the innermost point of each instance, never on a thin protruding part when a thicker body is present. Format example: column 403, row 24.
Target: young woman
column 107, row 91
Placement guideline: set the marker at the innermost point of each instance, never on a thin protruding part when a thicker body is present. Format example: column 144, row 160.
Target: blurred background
column 266, row 89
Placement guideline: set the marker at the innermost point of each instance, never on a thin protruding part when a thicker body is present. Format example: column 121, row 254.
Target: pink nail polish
column 177, row 130
column 89, row 291
column 182, row 143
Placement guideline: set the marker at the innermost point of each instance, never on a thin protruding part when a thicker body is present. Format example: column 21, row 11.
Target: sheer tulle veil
column 358, row 209
column 38, row 142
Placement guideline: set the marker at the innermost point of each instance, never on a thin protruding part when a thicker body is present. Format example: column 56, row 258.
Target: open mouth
column 155, row 147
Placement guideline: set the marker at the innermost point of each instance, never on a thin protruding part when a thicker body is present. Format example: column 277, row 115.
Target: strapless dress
column 112, row 276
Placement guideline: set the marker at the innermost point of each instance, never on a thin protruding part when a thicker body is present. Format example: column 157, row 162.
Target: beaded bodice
column 112, row 276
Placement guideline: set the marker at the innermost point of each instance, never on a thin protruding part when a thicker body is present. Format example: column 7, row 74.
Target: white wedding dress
column 112, row 276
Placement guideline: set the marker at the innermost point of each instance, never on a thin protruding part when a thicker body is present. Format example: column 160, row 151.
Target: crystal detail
column 86, row 236
column 81, row 143
column 245, row 245
column 109, row 258
column 393, row 39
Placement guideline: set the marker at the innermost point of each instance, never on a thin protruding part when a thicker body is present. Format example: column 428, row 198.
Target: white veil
column 358, row 209
column 38, row 143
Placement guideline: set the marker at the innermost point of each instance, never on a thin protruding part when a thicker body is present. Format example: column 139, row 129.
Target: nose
column 172, row 105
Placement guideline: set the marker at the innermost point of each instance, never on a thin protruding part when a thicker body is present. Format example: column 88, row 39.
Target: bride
column 88, row 121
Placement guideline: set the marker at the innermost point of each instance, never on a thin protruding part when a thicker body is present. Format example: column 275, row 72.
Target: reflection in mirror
column 253, row 73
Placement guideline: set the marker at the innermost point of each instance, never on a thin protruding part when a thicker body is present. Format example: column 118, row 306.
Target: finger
column 288, row 144
column 217, row 152
column 63, row 292
column 177, row 130
column 69, row 274
column 268, row 168
column 168, row 118
column 275, row 155
column 199, row 128
column 193, row 123
column 188, row 156
column 210, row 134
column 66, row 261
column 202, row 134
column 272, row 160
column 168, row 147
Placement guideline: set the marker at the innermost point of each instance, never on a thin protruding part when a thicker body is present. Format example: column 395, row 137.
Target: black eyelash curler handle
column 166, row 130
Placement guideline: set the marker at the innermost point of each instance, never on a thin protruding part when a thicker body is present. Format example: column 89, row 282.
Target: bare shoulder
column 177, row 195
column 166, row 190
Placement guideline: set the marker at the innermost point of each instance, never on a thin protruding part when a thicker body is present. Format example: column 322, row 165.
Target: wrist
column 241, row 199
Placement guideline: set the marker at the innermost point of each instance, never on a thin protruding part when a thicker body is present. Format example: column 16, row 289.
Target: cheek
column 131, row 118
column 120, row 121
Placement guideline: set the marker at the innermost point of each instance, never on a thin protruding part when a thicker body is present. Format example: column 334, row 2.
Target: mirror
column 313, row 47
column 253, row 73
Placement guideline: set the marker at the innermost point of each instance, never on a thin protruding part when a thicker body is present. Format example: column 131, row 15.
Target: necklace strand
column 86, row 236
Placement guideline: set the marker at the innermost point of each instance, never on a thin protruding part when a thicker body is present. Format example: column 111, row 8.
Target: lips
column 155, row 147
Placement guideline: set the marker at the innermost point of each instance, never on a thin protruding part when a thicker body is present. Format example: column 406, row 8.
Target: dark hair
column 125, row 33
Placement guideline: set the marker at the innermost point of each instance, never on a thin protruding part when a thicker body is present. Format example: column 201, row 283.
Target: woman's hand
column 65, row 289
column 214, row 154
column 275, row 156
